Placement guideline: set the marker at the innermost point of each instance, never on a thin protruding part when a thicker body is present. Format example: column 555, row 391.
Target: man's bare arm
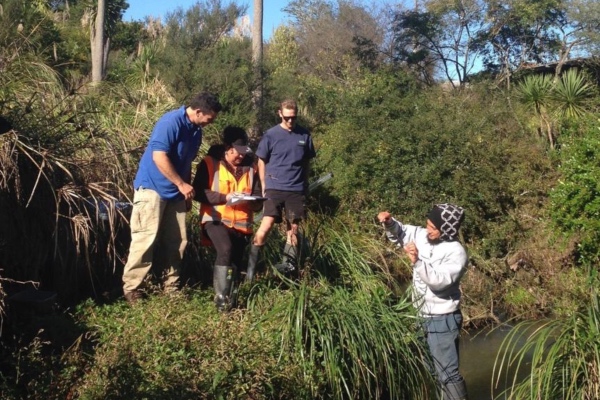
column 261, row 174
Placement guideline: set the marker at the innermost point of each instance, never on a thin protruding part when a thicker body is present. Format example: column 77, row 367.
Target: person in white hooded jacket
column 439, row 262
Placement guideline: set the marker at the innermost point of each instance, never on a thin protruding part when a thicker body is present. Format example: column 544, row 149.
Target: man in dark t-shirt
column 283, row 155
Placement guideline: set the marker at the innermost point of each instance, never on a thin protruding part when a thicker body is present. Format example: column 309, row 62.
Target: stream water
column 478, row 351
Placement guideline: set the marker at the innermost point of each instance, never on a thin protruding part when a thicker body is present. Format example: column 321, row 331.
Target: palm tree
column 555, row 100
column 572, row 94
column 257, row 56
column 535, row 93
column 98, row 43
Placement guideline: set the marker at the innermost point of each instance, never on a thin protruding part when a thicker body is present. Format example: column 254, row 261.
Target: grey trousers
column 442, row 333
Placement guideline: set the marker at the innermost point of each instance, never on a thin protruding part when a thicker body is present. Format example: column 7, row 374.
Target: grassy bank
column 347, row 333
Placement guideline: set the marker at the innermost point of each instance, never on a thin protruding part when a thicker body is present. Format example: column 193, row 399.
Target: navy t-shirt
column 285, row 154
column 180, row 139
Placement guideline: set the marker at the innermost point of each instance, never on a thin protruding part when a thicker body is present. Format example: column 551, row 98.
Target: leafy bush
column 575, row 202
column 405, row 152
column 166, row 348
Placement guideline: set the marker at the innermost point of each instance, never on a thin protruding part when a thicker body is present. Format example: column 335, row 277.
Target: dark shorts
column 278, row 200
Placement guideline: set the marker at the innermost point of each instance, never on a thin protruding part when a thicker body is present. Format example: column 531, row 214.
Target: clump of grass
column 519, row 299
column 345, row 319
column 564, row 357
column 356, row 340
column 62, row 163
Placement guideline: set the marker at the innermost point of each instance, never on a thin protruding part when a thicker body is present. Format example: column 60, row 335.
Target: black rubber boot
column 455, row 391
column 222, row 281
column 289, row 261
column 290, row 253
column 252, row 261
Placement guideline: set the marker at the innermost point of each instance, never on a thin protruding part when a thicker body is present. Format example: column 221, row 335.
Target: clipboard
column 243, row 198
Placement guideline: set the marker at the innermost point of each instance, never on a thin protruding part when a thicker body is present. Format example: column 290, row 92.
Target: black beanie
column 447, row 219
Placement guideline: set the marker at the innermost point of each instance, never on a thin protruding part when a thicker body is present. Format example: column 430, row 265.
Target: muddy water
column 478, row 351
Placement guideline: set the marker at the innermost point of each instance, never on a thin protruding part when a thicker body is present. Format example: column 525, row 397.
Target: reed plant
column 345, row 318
column 562, row 357
column 359, row 343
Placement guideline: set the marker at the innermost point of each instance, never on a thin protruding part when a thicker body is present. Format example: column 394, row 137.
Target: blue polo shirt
column 180, row 139
column 285, row 154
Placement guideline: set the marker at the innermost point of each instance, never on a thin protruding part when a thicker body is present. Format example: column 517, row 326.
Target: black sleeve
column 203, row 192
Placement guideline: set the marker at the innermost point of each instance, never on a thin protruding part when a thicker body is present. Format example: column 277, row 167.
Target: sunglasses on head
column 292, row 118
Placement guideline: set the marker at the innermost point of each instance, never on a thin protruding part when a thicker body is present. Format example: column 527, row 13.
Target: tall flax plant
column 563, row 357
column 53, row 182
column 352, row 327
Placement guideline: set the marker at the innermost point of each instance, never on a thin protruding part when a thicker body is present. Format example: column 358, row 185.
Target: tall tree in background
column 520, row 33
column 99, row 46
column 199, row 52
column 415, row 39
column 579, row 31
column 335, row 37
column 460, row 21
column 103, row 18
column 257, row 63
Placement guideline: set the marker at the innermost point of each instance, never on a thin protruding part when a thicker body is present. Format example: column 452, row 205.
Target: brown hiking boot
column 132, row 297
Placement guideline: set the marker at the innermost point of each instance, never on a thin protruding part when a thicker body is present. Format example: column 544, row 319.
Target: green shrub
column 181, row 348
column 575, row 201
column 402, row 151
column 520, row 299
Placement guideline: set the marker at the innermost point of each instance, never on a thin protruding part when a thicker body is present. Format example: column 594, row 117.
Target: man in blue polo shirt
column 283, row 154
column 163, row 194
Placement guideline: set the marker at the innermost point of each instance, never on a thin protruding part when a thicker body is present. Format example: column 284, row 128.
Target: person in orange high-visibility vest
column 228, row 170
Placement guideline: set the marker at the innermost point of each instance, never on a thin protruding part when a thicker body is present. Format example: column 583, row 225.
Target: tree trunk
column 97, row 43
column 257, row 61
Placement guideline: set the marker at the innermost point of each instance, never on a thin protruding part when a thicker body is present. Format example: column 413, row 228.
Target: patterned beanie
column 447, row 218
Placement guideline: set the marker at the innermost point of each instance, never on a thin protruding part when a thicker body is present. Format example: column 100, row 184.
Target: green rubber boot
column 222, row 281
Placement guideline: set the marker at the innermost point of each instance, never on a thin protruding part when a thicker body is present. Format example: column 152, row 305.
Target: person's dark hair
column 205, row 102
column 234, row 134
column 216, row 151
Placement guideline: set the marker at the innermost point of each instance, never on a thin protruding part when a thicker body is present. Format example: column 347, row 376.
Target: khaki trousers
column 158, row 236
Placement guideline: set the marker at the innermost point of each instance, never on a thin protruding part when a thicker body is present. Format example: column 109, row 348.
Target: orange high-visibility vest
column 220, row 179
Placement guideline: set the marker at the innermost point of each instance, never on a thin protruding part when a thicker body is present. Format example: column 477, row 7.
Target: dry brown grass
column 58, row 166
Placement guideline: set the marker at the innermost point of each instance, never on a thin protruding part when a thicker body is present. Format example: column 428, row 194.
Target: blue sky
column 272, row 9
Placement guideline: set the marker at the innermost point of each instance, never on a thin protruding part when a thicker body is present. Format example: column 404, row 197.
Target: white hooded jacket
column 437, row 272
